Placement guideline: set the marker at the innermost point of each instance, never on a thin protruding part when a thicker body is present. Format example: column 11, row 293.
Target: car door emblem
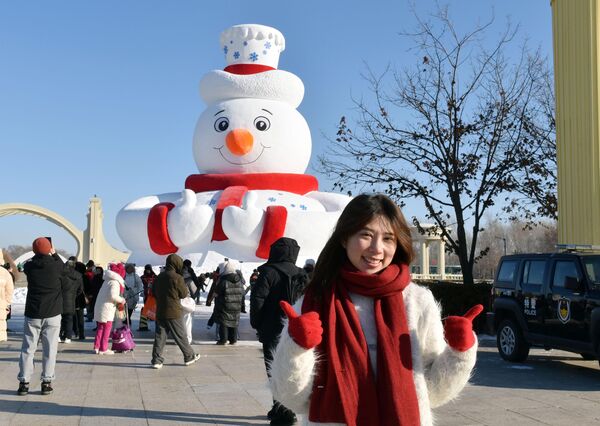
column 564, row 310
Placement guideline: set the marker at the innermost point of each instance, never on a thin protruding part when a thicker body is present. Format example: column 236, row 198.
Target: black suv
column 548, row 300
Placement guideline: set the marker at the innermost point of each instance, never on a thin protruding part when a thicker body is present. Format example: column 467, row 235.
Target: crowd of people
column 348, row 339
column 61, row 297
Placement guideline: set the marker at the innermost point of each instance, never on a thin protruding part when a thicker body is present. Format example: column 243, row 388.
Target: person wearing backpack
column 278, row 279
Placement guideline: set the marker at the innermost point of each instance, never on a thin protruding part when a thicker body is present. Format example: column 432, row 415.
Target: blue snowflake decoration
column 245, row 43
column 293, row 205
column 236, row 55
column 212, row 202
column 225, row 49
column 303, row 207
column 253, row 57
column 268, row 45
column 272, row 199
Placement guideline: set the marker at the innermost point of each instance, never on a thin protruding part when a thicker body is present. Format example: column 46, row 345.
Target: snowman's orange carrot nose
column 239, row 141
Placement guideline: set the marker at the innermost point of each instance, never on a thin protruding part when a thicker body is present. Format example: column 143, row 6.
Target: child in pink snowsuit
column 108, row 301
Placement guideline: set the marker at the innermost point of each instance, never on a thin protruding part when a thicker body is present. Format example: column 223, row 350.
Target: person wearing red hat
column 43, row 309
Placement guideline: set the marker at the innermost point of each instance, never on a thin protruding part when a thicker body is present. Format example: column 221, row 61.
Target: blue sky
column 101, row 98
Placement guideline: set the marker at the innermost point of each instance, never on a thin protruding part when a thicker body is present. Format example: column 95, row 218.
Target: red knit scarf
column 345, row 389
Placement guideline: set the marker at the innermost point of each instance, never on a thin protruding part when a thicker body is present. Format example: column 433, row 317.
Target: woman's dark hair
column 357, row 214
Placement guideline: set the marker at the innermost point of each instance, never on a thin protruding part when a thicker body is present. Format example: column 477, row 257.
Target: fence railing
column 447, row 277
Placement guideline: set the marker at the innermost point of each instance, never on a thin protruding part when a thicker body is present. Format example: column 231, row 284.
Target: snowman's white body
column 250, row 128
column 309, row 222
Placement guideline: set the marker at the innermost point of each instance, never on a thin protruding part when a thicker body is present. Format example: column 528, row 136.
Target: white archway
column 91, row 243
column 11, row 209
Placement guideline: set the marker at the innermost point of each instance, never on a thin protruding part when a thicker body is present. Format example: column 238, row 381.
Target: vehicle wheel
column 511, row 343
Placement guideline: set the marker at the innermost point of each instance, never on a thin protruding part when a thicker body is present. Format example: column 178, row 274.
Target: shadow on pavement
column 551, row 372
column 49, row 408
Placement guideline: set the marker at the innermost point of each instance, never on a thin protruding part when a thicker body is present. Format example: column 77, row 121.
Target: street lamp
column 504, row 241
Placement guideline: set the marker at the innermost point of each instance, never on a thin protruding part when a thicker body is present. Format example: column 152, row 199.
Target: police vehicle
column 548, row 300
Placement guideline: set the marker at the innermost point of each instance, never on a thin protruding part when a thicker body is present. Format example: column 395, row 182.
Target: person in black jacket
column 80, row 304
column 43, row 308
column 229, row 293
column 72, row 288
column 265, row 313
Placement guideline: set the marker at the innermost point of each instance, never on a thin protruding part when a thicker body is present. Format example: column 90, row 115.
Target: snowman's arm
column 331, row 201
column 132, row 220
column 173, row 225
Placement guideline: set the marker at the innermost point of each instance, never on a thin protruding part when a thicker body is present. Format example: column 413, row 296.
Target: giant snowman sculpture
column 252, row 147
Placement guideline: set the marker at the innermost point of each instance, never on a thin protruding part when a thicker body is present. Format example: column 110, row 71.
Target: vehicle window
column 533, row 274
column 592, row 267
column 507, row 272
column 563, row 269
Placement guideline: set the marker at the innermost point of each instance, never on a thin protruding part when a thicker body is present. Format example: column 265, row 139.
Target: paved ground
column 228, row 386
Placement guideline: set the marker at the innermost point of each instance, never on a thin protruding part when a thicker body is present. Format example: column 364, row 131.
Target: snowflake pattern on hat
column 252, row 44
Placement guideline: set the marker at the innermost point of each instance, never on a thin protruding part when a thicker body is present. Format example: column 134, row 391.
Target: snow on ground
column 19, row 296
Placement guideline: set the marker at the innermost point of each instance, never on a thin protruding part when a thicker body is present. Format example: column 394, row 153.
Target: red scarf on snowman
column 234, row 187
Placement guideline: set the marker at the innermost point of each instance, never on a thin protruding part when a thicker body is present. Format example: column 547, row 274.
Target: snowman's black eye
column 262, row 123
column 221, row 124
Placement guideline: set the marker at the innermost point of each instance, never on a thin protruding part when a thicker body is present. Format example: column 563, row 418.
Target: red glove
column 459, row 330
column 306, row 329
column 121, row 307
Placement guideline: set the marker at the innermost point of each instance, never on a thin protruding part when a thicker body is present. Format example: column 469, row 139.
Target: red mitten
column 459, row 330
column 121, row 307
column 305, row 329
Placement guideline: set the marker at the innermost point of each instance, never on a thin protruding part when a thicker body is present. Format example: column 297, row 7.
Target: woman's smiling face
column 372, row 248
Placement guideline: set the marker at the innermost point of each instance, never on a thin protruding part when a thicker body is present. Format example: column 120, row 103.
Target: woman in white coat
column 369, row 346
column 108, row 301
column 6, row 294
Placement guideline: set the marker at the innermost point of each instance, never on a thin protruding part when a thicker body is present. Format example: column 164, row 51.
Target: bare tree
column 536, row 178
column 502, row 237
column 449, row 132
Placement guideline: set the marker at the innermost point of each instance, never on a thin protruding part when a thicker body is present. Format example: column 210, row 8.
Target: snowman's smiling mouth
column 241, row 163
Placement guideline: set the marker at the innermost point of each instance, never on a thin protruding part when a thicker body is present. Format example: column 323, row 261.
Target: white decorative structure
column 91, row 243
column 252, row 148
column 432, row 237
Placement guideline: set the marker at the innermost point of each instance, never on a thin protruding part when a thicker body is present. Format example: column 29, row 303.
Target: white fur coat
column 439, row 371
column 108, row 297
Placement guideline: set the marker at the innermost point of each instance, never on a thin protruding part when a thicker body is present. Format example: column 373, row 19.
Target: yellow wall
column 576, row 39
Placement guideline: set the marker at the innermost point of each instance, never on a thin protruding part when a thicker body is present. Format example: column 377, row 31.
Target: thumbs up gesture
column 459, row 330
column 189, row 220
column 306, row 329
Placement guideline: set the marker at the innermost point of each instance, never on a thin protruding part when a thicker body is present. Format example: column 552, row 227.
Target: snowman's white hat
column 252, row 55
column 252, row 44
